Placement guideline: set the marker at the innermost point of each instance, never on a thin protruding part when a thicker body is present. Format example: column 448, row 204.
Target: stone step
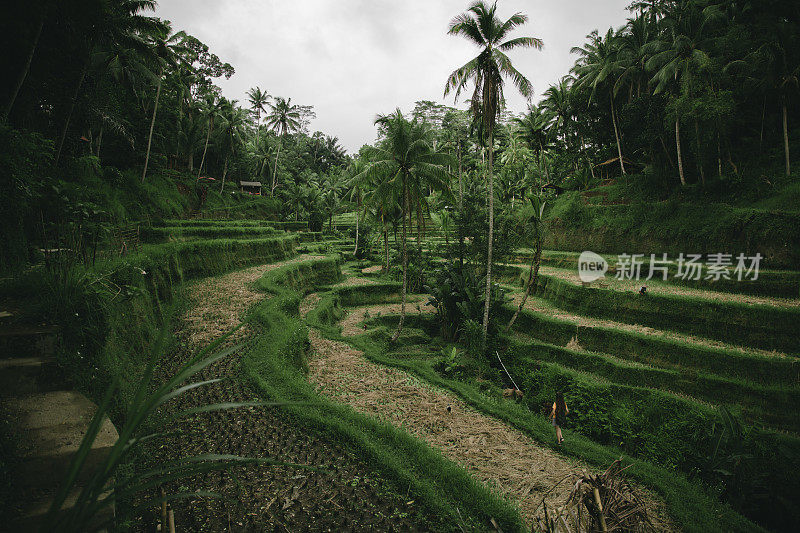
column 28, row 341
column 48, row 429
column 27, row 375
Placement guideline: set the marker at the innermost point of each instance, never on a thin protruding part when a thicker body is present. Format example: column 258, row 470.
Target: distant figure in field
column 643, row 290
column 559, row 415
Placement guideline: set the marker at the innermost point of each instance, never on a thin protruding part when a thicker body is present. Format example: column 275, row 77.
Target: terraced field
column 694, row 386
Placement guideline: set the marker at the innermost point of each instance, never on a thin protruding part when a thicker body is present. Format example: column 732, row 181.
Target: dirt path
column 345, row 495
column 492, row 451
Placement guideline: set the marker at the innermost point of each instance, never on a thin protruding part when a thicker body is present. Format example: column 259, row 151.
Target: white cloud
column 352, row 59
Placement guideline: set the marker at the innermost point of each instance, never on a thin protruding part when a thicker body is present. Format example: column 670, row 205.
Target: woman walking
column 559, row 415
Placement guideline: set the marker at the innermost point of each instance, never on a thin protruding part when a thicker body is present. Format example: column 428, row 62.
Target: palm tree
column 403, row 167
column 23, row 73
column 210, row 107
column 118, row 24
column 234, row 121
column 190, row 139
column 283, row 118
column 258, row 104
column 782, row 71
column 534, row 128
column 678, row 60
column 356, row 192
column 599, row 65
column 168, row 51
column 535, row 217
column 481, row 26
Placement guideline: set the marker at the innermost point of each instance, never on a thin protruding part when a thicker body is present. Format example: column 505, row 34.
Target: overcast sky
column 353, row 59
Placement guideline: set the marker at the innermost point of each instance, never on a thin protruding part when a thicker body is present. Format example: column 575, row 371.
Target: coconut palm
column 168, row 50
column 780, row 65
column 356, row 189
column 599, row 66
column 258, row 104
column 283, row 118
column 534, row 217
column 534, row 128
column 482, row 27
column 210, row 107
column 118, row 24
column 678, row 61
column 234, row 122
column 403, row 167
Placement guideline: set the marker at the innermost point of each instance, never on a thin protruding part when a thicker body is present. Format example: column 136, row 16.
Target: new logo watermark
column 717, row 266
column 591, row 267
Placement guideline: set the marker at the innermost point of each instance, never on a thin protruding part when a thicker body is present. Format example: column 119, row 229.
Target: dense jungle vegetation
column 676, row 132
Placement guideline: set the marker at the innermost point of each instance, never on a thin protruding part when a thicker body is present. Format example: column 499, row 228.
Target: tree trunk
column 678, row 145
column 386, row 249
column 533, row 275
column 205, row 149
column 99, row 142
column 460, row 185
column 699, row 153
column 24, row 72
column 405, row 264
column 63, row 136
column 191, row 161
column 786, row 137
column 152, row 126
column 761, row 132
column 616, row 136
column 355, row 251
column 224, row 173
column 275, row 170
column 488, row 292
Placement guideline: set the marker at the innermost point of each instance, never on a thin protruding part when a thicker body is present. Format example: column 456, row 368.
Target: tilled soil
column 342, row 493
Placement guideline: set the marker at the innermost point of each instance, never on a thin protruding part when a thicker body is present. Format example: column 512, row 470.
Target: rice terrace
column 416, row 266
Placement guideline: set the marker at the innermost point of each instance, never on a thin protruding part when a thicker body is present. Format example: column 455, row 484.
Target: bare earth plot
column 495, row 453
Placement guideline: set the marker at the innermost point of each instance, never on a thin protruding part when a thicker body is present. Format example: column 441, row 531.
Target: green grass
column 762, row 326
column 675, row 226
column 776, row 283
column 164, row 234
column 658, row 351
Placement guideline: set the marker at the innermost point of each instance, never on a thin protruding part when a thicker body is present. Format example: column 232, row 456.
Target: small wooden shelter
column 250, row 187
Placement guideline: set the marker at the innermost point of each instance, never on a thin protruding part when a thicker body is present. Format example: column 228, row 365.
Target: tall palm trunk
column 74, row 100
column 205, row 148
column 460, row 185
column 786, row 136
column 678, row 145
column 275, row 170
column 355, row 251
column 224, row 173
column 99, row 142
column 699, row 152
column 24, row 72
column 386, row 249
column 152, row 126
column 488, row 293
column 533, row 275
column 405, row 264
column 616, row 135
